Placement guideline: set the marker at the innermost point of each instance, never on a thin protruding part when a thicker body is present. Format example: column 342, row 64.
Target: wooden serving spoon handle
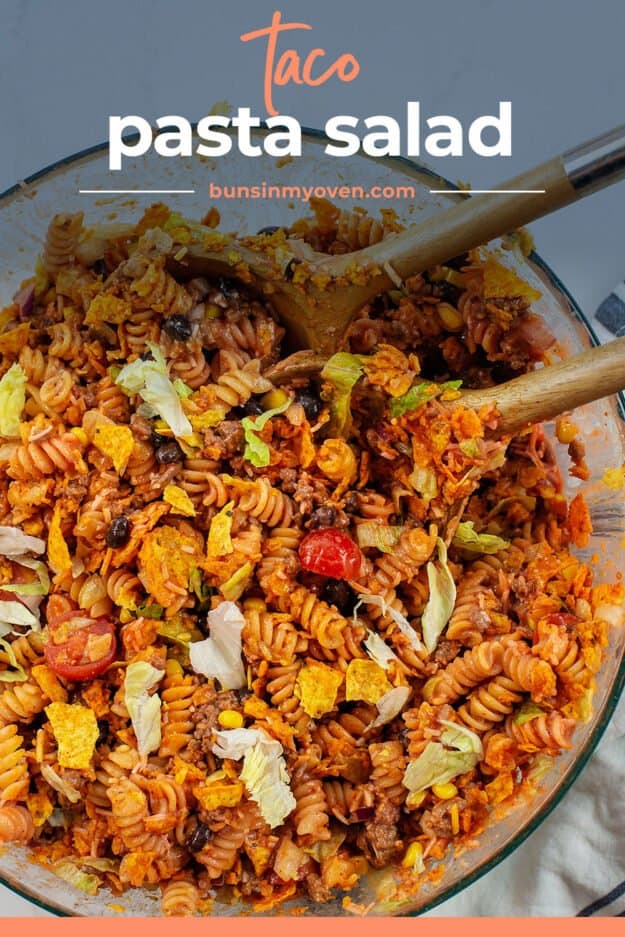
column 547, row 392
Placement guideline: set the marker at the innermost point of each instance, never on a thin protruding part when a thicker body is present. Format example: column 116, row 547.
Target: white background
column 65, row 66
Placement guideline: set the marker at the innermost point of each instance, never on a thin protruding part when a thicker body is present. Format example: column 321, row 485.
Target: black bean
column 199, row 838
column 289, row 270
column 252, row 407
column 352, row 504
column 157, row 439
column 269, row 229
column 227, row 286
column 461, row 260
column 104, row 729
column 324, row 516
column 339, row 594
column 99, row 268
column 177, row 327
column 168, row 453
column 447, row 292
column 118, row 533
column 311, row 404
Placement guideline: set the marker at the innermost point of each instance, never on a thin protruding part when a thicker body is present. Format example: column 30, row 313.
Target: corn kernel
column 413, row 858
column 416, row 799
column 454, row 817
column 255, row 605
column 429, row 688
column 80, row 434
column 450, row 317
column 212, row 312
column 274, row 398
column 230, row 719
column 565, row 431
column 444, row 791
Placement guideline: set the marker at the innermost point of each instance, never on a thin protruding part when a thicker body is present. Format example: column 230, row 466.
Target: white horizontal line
column 487, row 191
column 137, row 191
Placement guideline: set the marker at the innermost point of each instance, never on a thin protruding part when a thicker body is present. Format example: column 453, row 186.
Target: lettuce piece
column 219, row 655
column 264, row 770
column 342, row 372
column 78, row 878
column 467, row 538
column 234, row 587
column 12, row 400
column 381, row 536
column 423, row 480
column 402, row 623
column 14, row 542
column 18, row 674
column 57, row 783
column 150, row 380
column 150, row 610
column 378, row 651
column 440, row 604
column 183, row 390
column 256, row 450
column 420, row 394
column 527, row 712
column 15, row 613
column 42, row 587
column 458, row 751
column 144, row 710
column 390, row 705
column 174, row 629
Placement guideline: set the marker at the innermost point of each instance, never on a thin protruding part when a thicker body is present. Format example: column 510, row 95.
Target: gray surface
column 65, row 66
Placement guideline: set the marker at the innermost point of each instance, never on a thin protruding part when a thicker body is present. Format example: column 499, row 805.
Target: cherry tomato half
column 330, row 552
column 80, row 647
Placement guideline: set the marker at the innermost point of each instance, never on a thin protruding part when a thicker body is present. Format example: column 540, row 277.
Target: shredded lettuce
column 390, row 705
column 420, row 394
column 58, row 784
column 264, row 770
column 458, row 751
column 378, row 651
column 78, row 878
column 15, row 613
column 423, row 480
column 440, row 604
column 468, row 539
column 234, row 587
column 150, row 380
column 219, row 655
column 256, row 450
column 12, row 400
column 41, row 587
column 144, row 710
column 402, row 623
column 183, row 390
column 150, row 610
column 342, row 372
column 381, row 536
column 174, row 629
column 527, row 712
column 18, row 674
column 14, row 542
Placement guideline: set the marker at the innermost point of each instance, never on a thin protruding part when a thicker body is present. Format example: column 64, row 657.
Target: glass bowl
column 26, row 211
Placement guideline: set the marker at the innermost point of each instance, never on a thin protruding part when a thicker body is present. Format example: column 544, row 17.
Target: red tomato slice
column 78, row 648
column 330, row 552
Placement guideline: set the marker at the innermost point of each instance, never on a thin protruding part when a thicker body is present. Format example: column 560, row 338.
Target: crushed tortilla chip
column 219, row 540
column 365, row 680
column 117, row 442
column 76, row 731
column 165, row 562
column 48, row 681
column 141, row 522
column 218, row 794
column 501, row 282
column 316, row 687
column 614, row 478
column 104, row 308
column 205, row 420
column 305, row 446
column 182, row 771
column 40, row 808
column 580, row 522
column 13, row 341
column 58, row 552
column 179, row 500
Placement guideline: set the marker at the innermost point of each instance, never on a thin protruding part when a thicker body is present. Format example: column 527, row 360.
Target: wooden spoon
column 317, row 309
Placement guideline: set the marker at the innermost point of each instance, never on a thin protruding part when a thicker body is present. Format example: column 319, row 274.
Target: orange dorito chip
column 501, row 282
column 76, row 731
column 165, row 562
column 365, row 680
column 219, row 541
column 316, row 686
column 58, row 552
column 49, row 683
column 140, row 523
column 218, row 794
column 12, row 342
column 108, row 309
column 179, row 500
column 116, row 442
